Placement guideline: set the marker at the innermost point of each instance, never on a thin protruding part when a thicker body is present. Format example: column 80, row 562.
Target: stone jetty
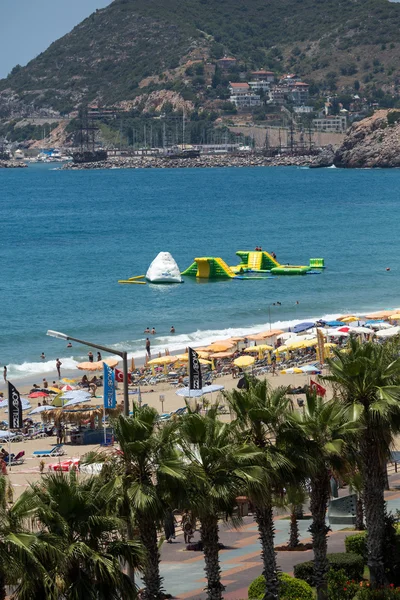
column 324, row 159
column 12, row 164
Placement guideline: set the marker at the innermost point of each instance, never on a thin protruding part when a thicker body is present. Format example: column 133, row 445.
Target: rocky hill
column 134, row 46
column 372, row 142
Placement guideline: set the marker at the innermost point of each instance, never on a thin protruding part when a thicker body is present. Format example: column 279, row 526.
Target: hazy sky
column 27, row 27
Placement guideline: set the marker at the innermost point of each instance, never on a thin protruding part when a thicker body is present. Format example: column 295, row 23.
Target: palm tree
column 149, row 474
column 260, row 414
column 296, row 496
column 219, row 469
column 73, row 516
column 22, row 553
column 367, row 377
column 323, row 429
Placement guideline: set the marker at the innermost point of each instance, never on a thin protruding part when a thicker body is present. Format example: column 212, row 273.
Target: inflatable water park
column 254, row 264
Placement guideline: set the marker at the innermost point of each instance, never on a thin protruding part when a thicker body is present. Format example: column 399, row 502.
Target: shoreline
column 71, row 372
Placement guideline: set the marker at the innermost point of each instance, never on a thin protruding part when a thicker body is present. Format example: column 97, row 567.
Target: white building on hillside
column 331, row 123
column 245, row 100
column 259, row 86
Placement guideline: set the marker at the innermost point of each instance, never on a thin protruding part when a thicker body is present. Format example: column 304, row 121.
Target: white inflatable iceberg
column 164, row 269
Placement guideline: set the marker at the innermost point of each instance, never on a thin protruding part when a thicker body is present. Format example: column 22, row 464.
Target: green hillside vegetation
column 110, row 52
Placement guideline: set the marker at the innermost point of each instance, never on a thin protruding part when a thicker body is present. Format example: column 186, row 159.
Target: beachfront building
column 245, row 100
column 337, row 123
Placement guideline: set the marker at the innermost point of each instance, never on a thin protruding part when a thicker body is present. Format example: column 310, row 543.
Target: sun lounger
column 56, row 451
column 12, row 460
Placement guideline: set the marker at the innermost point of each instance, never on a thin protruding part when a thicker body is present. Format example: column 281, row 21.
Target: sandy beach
column 22, row 475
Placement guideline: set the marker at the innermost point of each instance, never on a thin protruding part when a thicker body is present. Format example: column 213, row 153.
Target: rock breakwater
column 12, row 164
column 206, row 161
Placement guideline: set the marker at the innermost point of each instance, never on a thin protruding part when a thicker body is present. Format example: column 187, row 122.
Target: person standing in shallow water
column 148, row 347
column 5, row 373
column 58, row 367
column 90, row 356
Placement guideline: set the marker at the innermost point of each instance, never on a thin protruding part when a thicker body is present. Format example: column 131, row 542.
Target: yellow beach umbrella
column 185, row 358
column 162, row 360
column 349, row 319
column 395, row 317
column 298, row 345
column 281, row 349
column 244, row 361
column 291, row 371
column 330, row 345
column 252, row 350
column 219, row 347
column 97, row 366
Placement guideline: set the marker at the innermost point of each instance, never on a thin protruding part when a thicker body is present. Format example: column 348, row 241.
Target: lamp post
column 123, row 355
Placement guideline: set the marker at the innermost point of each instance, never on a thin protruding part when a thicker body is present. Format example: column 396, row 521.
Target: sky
column 27, row 27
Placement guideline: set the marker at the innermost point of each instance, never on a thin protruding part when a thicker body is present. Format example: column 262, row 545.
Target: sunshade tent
column 244, row 361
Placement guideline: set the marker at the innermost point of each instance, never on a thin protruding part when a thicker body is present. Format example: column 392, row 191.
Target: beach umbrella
column 244, row 361
column 219, row 346
column 299, row 344
column 344, row 329
column 379, row 325
column 40, row 409
column 265, row 334
column 310, row 370
column 333, row 323
column 303, row 326
column 163, row 360
column 395, row 317
column 292, row 371
column 221, row 354
column 75, row 401
column 185, row 358
column 67, row 388
column 382, row 314
column 348, row 318
column 384, row 333
column 359, row 330
column 281, row 349
column 207, row 389
column 38, row 395
column 336, row 333
column 26, row 405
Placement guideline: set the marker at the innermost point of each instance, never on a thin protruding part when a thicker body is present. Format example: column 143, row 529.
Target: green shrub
column 357, row 544
column 352, row 565
column 339, row 586
column 387, row 593
column 290, row 588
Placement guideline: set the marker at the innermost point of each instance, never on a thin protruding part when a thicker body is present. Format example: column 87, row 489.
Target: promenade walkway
column 183, row 571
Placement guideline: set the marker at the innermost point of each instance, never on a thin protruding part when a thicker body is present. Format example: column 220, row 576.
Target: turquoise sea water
column 67, row 237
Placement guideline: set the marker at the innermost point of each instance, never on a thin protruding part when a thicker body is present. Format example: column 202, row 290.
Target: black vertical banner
column 195, row 382
column 14, row 407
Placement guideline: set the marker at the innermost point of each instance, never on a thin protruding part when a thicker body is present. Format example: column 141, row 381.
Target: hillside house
column 245, row 100
column 259, row 86
column 299, row 93
column 263, row 76
column 226, row 62
column 239, row 88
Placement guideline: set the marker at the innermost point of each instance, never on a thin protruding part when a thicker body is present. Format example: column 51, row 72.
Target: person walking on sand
column 58, row 367
column 148, row 347
column 5, row 373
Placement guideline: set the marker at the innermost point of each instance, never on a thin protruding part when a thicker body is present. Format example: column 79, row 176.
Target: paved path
column 183, row 571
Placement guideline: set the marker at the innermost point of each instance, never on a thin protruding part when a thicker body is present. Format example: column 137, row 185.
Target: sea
column 67, row 237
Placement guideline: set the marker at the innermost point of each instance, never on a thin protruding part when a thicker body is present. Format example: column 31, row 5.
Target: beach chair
column 56, row 451
column 12, row 460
